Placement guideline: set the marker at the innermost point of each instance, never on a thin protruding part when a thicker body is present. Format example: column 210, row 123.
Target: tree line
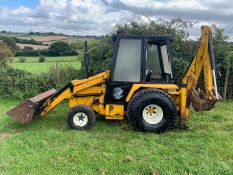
column 58, row 48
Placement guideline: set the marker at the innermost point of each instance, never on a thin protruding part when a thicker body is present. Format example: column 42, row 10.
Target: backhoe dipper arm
column 204, row 59
column 71, row 89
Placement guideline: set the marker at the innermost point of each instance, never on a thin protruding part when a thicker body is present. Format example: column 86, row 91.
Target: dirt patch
column 5, row 136
column 8, row 135
column 35, row 47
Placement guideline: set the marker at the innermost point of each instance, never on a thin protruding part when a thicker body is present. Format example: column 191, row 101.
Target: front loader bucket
column 200, row 101
column 27, row 110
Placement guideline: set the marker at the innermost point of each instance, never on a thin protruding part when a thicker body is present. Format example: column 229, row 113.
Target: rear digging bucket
column 27, row 110
column 200, row 101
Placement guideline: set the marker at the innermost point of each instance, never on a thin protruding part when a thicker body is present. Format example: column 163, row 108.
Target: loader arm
column 73, row 88
column 41, row 104
column 203, row 60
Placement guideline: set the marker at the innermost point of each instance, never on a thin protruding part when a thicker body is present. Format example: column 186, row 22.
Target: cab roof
column 141, row 36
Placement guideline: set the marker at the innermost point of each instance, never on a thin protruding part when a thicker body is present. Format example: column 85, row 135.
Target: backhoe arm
column 204, row 59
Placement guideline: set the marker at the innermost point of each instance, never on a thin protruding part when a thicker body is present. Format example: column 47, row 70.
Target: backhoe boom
column 203, row 60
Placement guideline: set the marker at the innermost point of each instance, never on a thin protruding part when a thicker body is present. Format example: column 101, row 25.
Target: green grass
column 51, row 59
column 43, row 67
column 48, row 146
column 32, row 65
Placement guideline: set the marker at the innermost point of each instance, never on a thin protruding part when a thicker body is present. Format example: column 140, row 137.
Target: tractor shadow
column 58, row 121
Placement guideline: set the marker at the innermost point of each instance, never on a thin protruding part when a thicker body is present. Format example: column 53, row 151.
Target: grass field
column 48, row 146
column 32, row 64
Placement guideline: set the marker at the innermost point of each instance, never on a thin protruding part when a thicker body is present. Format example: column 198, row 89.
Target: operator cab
column 138, row 59
column 142, row 59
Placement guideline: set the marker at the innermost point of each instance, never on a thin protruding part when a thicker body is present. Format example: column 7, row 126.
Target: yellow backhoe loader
column 139, row 87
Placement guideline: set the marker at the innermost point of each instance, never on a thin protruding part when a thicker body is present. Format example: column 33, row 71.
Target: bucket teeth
column 26, row 111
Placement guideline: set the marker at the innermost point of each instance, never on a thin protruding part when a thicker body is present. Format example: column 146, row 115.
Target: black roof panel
column 162, row 37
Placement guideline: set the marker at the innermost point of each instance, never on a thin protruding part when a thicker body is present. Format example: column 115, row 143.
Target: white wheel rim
column 152, row 114
column 80, row 119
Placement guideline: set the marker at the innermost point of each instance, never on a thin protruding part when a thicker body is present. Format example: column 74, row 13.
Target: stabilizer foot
column 183, row 125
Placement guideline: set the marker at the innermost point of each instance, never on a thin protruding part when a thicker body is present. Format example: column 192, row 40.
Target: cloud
column 88, row 17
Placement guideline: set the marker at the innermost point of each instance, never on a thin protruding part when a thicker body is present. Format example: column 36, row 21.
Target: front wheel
column 152, row 110
column 81, row 117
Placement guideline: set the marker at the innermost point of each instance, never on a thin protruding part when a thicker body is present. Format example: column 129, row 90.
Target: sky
column 98, row 17
column 18, row 3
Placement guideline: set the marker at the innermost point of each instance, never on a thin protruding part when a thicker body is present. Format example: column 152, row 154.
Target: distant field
column 48, row 38
column 35, row 47
column 32, row 64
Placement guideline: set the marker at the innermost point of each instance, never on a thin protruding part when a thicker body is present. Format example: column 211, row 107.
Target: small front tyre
column 81, row 117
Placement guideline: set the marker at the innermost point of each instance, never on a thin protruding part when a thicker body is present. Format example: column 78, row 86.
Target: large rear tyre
column 81, row 117
column 152, row 110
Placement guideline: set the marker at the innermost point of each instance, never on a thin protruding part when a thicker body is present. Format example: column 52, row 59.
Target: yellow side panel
column 114, row 112
column 90, row 90
column 168, row 87
column 81, row 100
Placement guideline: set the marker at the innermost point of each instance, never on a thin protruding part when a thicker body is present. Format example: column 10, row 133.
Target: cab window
column 153, row 68
column 166, row 62
column 128, row 62
column 158, row 66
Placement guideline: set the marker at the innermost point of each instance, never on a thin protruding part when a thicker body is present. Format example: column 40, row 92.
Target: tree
column 177, row 28
column 28, row 48
column 183, row 48
column 79, row 44
column 221, row 46
column 223, row 58
column 100, row 55
column 61, row 48
column 10, row 43
column 5, row 54
column 42, row 59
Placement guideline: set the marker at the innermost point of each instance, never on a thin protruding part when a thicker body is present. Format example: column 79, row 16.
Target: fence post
column 226, row 81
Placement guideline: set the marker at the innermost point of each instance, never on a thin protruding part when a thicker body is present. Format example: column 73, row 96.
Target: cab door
column 126, row 69
column 157, row 62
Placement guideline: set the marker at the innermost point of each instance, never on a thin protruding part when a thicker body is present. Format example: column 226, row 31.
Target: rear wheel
column 152, row 110
column 81, row 117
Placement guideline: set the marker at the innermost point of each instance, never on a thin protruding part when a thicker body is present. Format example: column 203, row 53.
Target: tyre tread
column 140, row 94
column 81, row 108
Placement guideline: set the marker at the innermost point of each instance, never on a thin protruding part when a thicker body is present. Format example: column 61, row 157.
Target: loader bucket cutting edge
column 26, row 111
